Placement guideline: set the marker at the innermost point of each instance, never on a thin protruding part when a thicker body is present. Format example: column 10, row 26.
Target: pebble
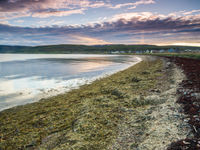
column 184, row 142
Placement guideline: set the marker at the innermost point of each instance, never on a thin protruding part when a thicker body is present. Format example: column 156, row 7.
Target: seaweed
column 84, row 118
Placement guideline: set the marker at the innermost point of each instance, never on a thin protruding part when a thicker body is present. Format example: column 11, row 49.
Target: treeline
column 68, row 49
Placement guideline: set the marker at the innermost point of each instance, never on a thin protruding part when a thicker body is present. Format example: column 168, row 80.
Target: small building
column 171, row 50
column 115, row 52
column 161, row 51
column 138, row 52
column 188, row 50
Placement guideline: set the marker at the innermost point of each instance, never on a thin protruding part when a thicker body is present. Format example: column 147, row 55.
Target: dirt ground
column 159, row 124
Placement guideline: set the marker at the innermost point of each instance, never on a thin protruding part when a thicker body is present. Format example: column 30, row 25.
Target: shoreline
column 70, row 85
column 82, row 82
column 95, row 116
column 189, row 98
column 34, row 96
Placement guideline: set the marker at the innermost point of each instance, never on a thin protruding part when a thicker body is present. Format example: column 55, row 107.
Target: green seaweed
column 84, row 118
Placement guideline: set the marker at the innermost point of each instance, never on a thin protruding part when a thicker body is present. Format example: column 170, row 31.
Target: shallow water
column 26, row 78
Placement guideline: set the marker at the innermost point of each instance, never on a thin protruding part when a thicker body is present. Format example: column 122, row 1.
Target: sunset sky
column 92, row 22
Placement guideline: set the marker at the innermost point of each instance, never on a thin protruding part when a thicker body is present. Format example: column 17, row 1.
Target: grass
column 85, row 118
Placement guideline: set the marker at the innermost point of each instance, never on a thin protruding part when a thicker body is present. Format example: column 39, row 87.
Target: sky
column 97, row 22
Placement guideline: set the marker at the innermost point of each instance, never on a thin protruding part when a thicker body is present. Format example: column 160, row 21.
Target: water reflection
column 27, row 78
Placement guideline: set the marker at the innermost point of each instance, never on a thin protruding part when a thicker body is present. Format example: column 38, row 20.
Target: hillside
column 65, row 49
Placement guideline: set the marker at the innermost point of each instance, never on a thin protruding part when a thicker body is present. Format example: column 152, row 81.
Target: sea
column 27, row 78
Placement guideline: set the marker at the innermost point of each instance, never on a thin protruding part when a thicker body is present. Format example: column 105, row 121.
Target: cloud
column 145, row 21
column 45, row 8
column 19, row 21
column 10, row 9
column 188, row 44
column 133, row 5
column 130, row 16
column 37, row 5
column 58, row 13
column 145, row 26
column 191, row 12
column 87, row 40
column 4, row 22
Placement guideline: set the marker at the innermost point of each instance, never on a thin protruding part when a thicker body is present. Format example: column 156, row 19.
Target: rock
column 32, row 144
column 135, row 79
column 187, row 143
column 168, row 64
column 145, row 72
column 155, row 90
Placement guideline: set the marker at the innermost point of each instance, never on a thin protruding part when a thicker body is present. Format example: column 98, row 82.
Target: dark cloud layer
column 122, row 25
column 48, row 8
column 19, row 5
column 45, row 8
column 132, row 27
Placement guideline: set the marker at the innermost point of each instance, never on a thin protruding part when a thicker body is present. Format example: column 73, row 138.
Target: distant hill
column 66, row 49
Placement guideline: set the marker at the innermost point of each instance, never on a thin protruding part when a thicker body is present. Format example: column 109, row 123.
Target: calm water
column 25, row 78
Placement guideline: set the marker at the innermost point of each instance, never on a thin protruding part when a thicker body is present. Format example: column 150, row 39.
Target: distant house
column 188, row 50
column 115, row 52
column 147, row 51
column 171, row 50
column 138, row 52
column 162, row 51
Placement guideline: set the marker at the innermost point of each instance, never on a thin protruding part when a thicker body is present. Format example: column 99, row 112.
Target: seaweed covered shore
column 132, row 109
column 189, row 91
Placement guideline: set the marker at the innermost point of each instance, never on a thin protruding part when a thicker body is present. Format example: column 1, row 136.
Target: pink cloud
column 45, row 8
column 191, row 12
column 58, row 13
column 133, row 5
column 82, row 39
column 145, row 27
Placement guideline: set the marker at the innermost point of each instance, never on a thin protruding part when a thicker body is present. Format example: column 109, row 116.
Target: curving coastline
column 131, row 109
column 64, row 73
